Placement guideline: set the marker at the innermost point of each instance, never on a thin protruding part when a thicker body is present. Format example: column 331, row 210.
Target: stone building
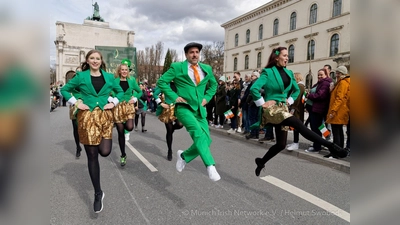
column 316, row 32
column 73, row 41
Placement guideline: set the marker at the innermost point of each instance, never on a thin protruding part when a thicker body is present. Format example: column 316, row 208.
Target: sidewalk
column 338, row 164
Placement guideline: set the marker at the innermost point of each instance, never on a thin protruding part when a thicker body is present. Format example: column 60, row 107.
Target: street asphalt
column 293, row 188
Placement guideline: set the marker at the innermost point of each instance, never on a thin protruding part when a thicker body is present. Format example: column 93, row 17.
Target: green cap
column 126, row 62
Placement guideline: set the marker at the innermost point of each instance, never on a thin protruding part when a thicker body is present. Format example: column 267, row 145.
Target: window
column 247, row 36
column 246, row 62
column 260, row 32
column 259, row 60
column 310, row 50
column 337, row 8
column 334, row 45
column 236, row 40
column 291, row 53
column 313, row 14
column 276, row 25
column 235, row 64
column 293, row 18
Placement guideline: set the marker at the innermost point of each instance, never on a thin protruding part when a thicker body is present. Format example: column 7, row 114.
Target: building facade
column 315, row 32
column 73, row 41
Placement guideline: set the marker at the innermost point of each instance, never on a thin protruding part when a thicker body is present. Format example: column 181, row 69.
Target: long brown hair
column 85, row 65
column 273, row 56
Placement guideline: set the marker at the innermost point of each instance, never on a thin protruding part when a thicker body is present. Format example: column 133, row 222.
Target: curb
column 337, row 164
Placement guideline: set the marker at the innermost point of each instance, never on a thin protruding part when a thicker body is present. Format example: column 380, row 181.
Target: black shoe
column 336, row 150
column 143, row 130
column 98, row 202
column 78, row 152
column 260, row 166
column 251, row 136
column 169, row 157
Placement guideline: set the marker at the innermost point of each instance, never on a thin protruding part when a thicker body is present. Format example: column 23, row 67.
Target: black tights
column 76, row 135
column 128, row 125
column 143, row 115
column 281, row 137
column 171, row 127
column 92, row 152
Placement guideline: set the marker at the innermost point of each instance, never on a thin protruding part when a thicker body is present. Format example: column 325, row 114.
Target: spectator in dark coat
column 319, row 96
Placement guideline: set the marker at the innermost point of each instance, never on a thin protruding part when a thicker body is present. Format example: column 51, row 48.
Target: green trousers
column 199, row 132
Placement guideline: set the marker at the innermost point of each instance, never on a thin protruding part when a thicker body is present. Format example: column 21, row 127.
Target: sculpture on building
column 96, row 13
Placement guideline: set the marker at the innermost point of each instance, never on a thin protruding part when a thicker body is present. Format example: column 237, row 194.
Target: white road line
column 140, row 156
column 308, row 197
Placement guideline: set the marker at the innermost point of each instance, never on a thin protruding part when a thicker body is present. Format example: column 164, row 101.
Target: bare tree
column 174, row 55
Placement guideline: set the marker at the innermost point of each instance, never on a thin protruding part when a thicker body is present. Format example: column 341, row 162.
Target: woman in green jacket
column 124, row 113
column 95, row 117
column 280, row 91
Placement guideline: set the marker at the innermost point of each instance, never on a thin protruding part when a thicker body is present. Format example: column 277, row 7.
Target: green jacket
column 270, row 80
column 83, row 82
column 185, row 88
column 133, row 86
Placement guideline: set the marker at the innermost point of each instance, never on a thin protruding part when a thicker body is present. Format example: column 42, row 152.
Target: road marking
column 308, row 197
column 140, row 156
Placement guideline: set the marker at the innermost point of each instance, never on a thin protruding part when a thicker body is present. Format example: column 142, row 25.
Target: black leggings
column 76, row 135
column 143, row 115
column 281, row 137
column 221, row 119
column 171, row 127
column 128, row 125
column 92, row 152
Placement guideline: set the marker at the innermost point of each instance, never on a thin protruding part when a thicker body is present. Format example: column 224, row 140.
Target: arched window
column 247, row 36
column 260, row 32
column 236, row 40
column 334, row 49
column 309, row 81
column 259, row 60
column 337, row 8
column 246, row 62
column 276, row 25
column 313, row 13
column 291, row 53
column 293, row 18
column 235, row 64
column 310, row 50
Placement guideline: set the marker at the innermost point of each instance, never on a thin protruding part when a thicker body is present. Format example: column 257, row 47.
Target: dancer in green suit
column 195, row 86
column 95, row 117
column 280, row 91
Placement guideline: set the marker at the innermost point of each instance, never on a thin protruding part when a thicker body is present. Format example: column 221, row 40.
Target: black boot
column 169, row 156
column 78, row 152
column 260, row 166
column 337, row 151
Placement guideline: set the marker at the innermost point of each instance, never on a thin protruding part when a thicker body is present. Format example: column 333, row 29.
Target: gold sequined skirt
column 275, row 114
column 168, row 115
column 94, row 126
column 123, row 111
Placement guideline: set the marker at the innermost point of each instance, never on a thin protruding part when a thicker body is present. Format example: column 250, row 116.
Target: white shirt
column 191, row 73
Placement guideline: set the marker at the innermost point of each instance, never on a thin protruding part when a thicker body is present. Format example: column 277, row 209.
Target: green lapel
column 88, row 81
column 278, row 78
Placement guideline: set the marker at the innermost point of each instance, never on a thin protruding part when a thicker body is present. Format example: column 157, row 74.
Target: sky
column 173, row 22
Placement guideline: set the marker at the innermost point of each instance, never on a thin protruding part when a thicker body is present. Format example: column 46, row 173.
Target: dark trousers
column 316, row 120
column 253, row 118
column 234, row 118
column 210, row 109
column 338, row 135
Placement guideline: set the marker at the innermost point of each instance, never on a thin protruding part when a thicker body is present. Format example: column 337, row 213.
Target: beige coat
column 339, row 105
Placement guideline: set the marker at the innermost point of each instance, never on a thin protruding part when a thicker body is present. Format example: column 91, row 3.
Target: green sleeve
column 163, row 83
column 156, row 92
column 69, row 88
column 212, row 88
column 256, row 87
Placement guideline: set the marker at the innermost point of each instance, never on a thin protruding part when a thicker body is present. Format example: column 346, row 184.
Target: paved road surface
column 149, row 190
